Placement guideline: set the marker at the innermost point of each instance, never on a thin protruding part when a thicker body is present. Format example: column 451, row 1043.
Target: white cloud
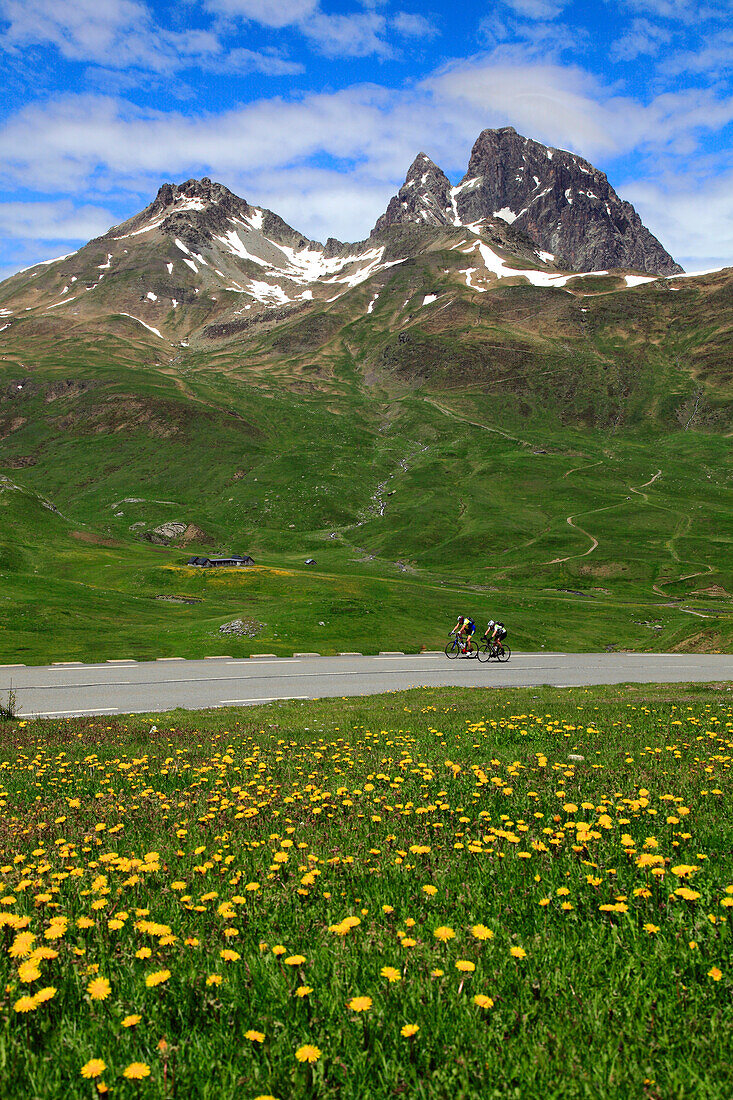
column 642, row 38
column 271, row 13
column 358, row 35
column 684, row 13
column 53, row 221
column 413, row 26
column 123, row 35
column 694, row 220
column 537, row 9
column 714, row 57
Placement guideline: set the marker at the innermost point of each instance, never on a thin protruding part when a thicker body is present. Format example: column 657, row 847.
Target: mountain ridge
column 534, row 187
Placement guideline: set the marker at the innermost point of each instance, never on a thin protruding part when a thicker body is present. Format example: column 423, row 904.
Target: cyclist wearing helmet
column 495, row 632
column 464, row 628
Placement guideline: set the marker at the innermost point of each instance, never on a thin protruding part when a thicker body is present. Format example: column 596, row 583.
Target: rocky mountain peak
column 424, row 197
column 558, row 199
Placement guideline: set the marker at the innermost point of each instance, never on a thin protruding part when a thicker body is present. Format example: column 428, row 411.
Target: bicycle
column 489, row 649
column 455, row 648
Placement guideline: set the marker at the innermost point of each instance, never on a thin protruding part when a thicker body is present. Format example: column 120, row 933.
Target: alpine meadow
column 326, row 325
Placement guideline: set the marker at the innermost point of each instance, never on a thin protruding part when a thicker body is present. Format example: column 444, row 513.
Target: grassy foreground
column 436, row 893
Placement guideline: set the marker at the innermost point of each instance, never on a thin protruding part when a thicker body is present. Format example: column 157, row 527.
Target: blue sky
column 315, row 108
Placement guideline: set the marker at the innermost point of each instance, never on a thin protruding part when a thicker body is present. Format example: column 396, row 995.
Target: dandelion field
column 434, row 893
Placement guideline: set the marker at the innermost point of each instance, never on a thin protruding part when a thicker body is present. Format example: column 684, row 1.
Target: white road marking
column 421, row 656
column 79, row 713
column 261, row 661
column 269, row 699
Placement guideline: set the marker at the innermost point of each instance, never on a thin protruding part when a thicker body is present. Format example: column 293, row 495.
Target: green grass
column 500, row 417
column 585, row 899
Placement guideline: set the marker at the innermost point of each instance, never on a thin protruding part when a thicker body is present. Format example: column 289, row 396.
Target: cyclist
column 464, row 628
column 495, row 632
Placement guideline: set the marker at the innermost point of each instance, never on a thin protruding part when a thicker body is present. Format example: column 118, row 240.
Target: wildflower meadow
column 436, row 893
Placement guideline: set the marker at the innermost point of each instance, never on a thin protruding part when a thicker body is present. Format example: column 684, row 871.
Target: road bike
column 454, row 647
column 489, row 649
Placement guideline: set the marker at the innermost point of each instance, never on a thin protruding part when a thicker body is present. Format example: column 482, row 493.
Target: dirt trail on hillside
column 476, row 423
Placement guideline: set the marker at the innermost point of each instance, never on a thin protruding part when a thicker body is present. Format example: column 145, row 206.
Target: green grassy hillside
column 560, row 459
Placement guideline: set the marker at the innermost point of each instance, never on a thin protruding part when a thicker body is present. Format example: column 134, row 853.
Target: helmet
column 491, row 622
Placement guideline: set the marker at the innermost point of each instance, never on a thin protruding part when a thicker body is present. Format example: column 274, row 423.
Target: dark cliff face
column 564, row 204
column 423, row 198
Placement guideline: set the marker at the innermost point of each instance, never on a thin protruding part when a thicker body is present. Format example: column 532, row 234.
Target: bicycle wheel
column 504, row 653
column 484, row 652
column 451, row 648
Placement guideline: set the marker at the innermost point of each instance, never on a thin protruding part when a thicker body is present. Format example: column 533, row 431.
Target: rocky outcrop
column 560, row 201
column 424, row 197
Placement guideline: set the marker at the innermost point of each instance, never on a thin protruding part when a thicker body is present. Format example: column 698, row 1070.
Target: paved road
column 124, row 687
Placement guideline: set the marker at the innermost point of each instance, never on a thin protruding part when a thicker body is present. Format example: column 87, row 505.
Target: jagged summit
column 558, row 199
column 423, row 197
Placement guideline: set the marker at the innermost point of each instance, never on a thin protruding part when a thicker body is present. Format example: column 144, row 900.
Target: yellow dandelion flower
column 409, row 1030
column 99, row 989
column 143, row 953
column 483, row 1001
column 481, row 932
column 388, row 908
column 652, row 929
column 465, row 966
column 303, row 990
column 390, row 973
column 229, row 956
column 214, row 979
column 359, row 1004
column 444, row 933
column 22, row 945
column 95, row 1067
column 255, row 1036
column 157, row 978
column 431, row 891
column 278, row 949
column 191, row 941
column 437, row 973
column 294, row 960
column 518, row 952
column 28, row 972
column 308, row 1053
column 85, row 922
column 715, row 974
column 45, row 994
column 25, row 1004
column 131, row 1021
column 136, row 1071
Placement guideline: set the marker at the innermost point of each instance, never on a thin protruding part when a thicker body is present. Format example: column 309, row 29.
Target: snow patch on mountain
column 144, row 324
